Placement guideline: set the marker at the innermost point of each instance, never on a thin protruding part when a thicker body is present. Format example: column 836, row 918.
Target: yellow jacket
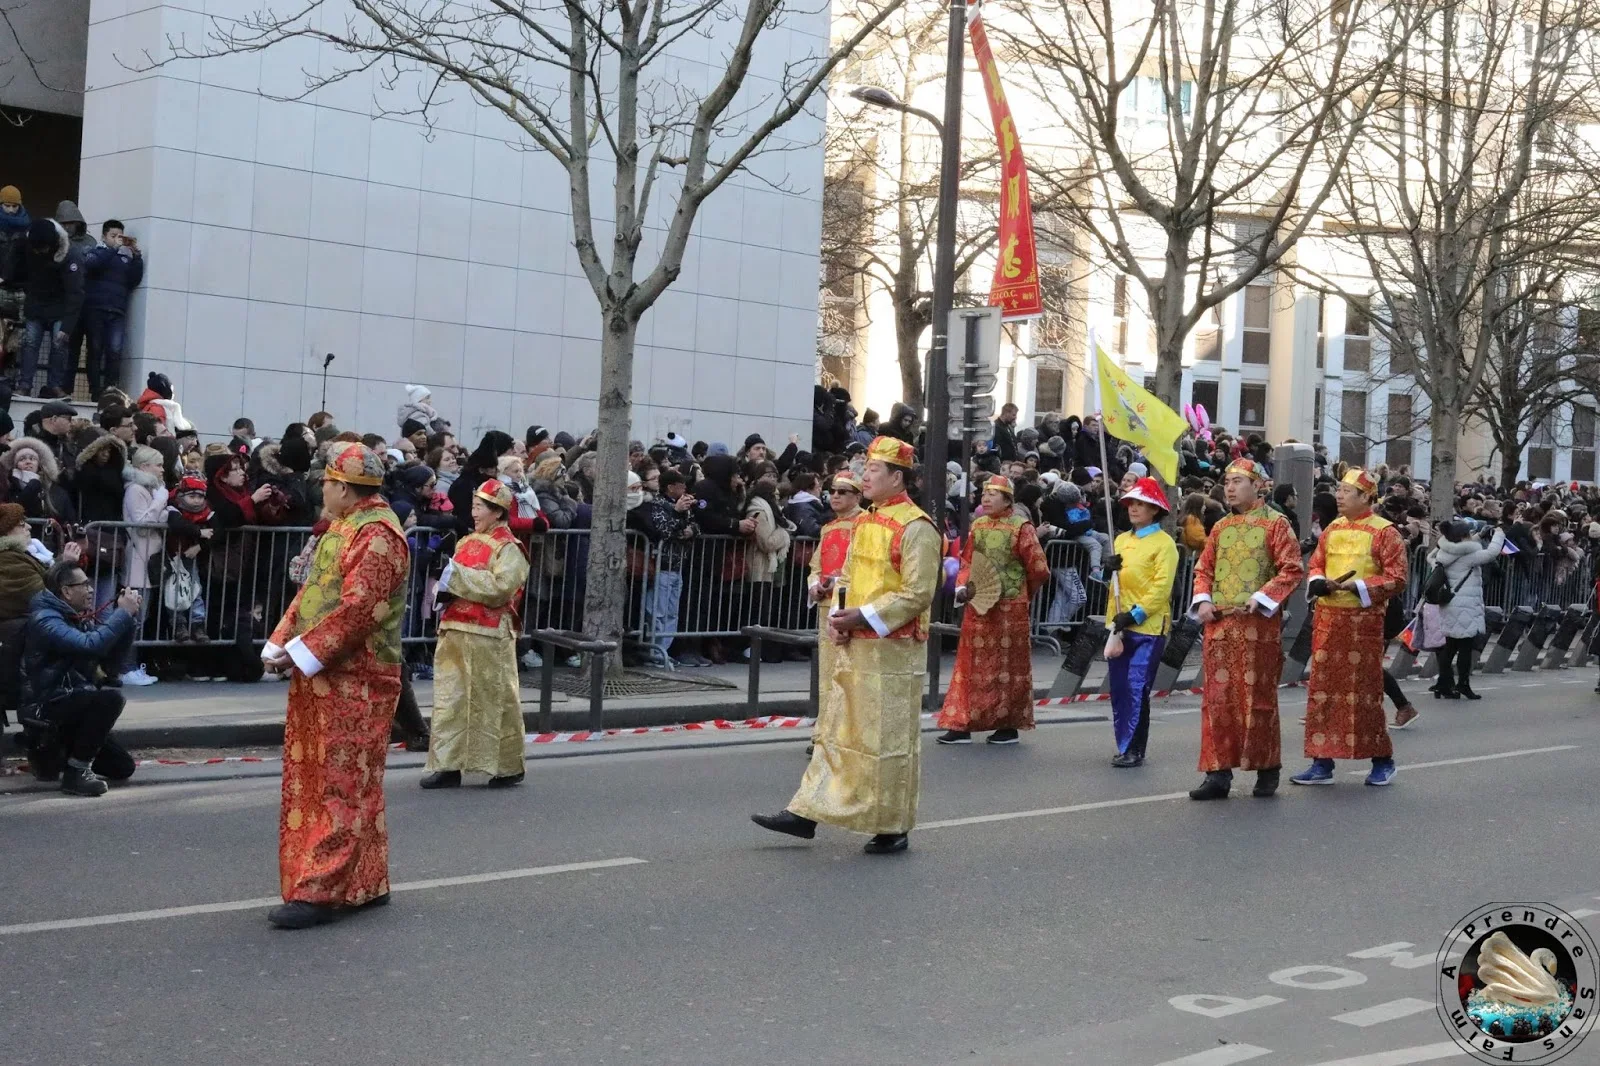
column 1149, row 566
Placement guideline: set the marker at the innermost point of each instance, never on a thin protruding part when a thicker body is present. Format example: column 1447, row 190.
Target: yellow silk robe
column 865, row 770
column 477, row 702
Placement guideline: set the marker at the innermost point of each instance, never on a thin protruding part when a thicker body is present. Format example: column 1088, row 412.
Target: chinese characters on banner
column 1016, row 272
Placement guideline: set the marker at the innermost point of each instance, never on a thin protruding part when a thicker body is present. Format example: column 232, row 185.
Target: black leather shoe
column 1467, row 693
column 1126, row 760
column 419, row 743
column 1266, row 783
column 1214, row 787
column 787, row 822
column 299, row 915
column 442, row 779
column 507, row 780
column 809, row 749
column 887, row 844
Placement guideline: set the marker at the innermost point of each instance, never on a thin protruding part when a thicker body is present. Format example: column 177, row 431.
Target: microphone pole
column 327, row 360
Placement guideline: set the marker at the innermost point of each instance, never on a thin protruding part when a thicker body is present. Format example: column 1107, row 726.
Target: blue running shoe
column 1320, row 772
column 1383, row 771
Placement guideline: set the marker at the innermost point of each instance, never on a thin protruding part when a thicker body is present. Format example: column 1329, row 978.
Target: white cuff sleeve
column 1199, row 598
column 445, row 575
column 303, row 658
column 1268, row 607
column 1361, row 590
column 270, row 652
column 872, row 619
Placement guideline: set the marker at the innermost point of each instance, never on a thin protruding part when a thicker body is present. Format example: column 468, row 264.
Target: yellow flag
column 1132, row 414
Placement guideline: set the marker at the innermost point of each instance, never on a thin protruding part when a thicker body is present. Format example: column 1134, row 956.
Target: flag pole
column 1105, row 468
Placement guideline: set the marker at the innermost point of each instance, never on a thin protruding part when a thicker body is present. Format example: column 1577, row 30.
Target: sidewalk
column 199, row 714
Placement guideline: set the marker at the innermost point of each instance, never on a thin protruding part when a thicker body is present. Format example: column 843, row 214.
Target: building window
column 1208, row 337
column 1583, row 423
column 1357, row 333
column 1252, row 407
column 1258, row 322
column 1049, row 391
column 1119, row 311
column 1542, row 452
column 1399, row 430
column 1204, row 394
column 1353, row 428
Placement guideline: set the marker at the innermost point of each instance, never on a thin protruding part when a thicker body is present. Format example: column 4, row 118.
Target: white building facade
column 278, row 231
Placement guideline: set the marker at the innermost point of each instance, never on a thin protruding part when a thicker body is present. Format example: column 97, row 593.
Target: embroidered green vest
column 325, row 584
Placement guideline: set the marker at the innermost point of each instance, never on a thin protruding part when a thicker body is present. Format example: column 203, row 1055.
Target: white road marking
column 1044, row 812
column 1475, row 758
column 1225, row 1055
column 1402, row 1056
column 272, row 901
column 1584, row 912
column 1384, row 1012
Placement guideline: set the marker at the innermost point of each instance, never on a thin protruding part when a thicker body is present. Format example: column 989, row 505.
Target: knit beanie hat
column 42, row 235
column 418, row 393
column 159, row 384
column 10, row 194
column 144, row 454
column 11, row 516
column 1138, row 469
column 754, row 438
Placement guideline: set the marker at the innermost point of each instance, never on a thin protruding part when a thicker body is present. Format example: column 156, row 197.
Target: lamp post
column 935, row 385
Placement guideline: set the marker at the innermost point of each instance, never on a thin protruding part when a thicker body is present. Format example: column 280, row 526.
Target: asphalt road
column 1069, row 930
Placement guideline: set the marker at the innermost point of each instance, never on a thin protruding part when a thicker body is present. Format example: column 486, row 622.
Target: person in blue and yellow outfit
column 864, row 772
column 1344, row 695
column 1146, row 562
column 477, row 702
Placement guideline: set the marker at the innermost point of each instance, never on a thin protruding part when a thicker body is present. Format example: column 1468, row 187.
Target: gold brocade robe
column 477, row 702
column 865, row 769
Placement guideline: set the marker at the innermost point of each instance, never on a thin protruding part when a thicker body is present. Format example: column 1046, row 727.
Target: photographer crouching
column 67, row 707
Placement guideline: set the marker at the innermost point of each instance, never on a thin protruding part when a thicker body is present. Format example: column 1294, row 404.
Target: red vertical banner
column 1016, row 272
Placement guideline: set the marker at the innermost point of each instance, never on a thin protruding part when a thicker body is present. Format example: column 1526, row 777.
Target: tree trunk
column 908, row 341
column 1445, row 423
column 1510, row 466
column 605, row 602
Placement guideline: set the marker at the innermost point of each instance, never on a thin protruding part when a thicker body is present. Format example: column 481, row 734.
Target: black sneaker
column 1004, row 736
column 507, row 780
column 442, row 779
column 788, row 823
column 1214, row 787
column 1266, row 783
column 85, row 782
column 1127, row 760
column 955, row 736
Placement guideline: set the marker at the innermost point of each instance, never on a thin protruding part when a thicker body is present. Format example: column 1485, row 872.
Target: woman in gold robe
column 477, row 704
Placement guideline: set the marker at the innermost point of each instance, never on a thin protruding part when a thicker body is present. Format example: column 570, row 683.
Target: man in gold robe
column 864, row 772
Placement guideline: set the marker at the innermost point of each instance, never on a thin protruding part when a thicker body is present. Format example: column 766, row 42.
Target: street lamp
column 935, row 385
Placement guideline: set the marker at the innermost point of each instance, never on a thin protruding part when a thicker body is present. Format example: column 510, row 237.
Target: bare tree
column 593, row 83
column 1542, row 357
column 880, row 198
column 1471, row 175
column 1192, row 136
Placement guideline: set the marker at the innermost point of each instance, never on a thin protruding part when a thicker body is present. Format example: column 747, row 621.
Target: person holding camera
column 67, row 708
column 1456, row 587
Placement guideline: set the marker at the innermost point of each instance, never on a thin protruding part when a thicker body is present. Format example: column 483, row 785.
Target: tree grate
column 629, row 683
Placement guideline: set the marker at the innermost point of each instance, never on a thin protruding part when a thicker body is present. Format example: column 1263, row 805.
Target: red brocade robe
column 1344, row 695
column 992, row 687
column 343, row 632
column 1248, row 568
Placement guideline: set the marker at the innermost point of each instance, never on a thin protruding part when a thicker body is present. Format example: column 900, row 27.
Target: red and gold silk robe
column 343, row 632
column 992, row 687
column 827, row 561
column 1250, row 564
column 1344, row 696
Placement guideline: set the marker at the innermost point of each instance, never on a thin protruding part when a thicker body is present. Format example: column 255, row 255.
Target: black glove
column 1111, row 564
column 1319, row 586
column 1125, row 620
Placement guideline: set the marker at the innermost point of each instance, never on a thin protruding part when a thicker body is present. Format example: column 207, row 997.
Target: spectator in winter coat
column 157, row 387
column 419, row 408
column 902, row 424
column 557, row 498
column 721, row 498
column 1005, row 437
column 53, row 302
column 112, row 270
column 868, row 429
column 805, row 511
column 100, row 465
column 481, row 465
column 144, row 503
column 35, row 481
column 14, row 223
column 283, row 468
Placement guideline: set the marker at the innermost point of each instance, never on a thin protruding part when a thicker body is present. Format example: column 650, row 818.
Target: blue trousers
column 1133, row 675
